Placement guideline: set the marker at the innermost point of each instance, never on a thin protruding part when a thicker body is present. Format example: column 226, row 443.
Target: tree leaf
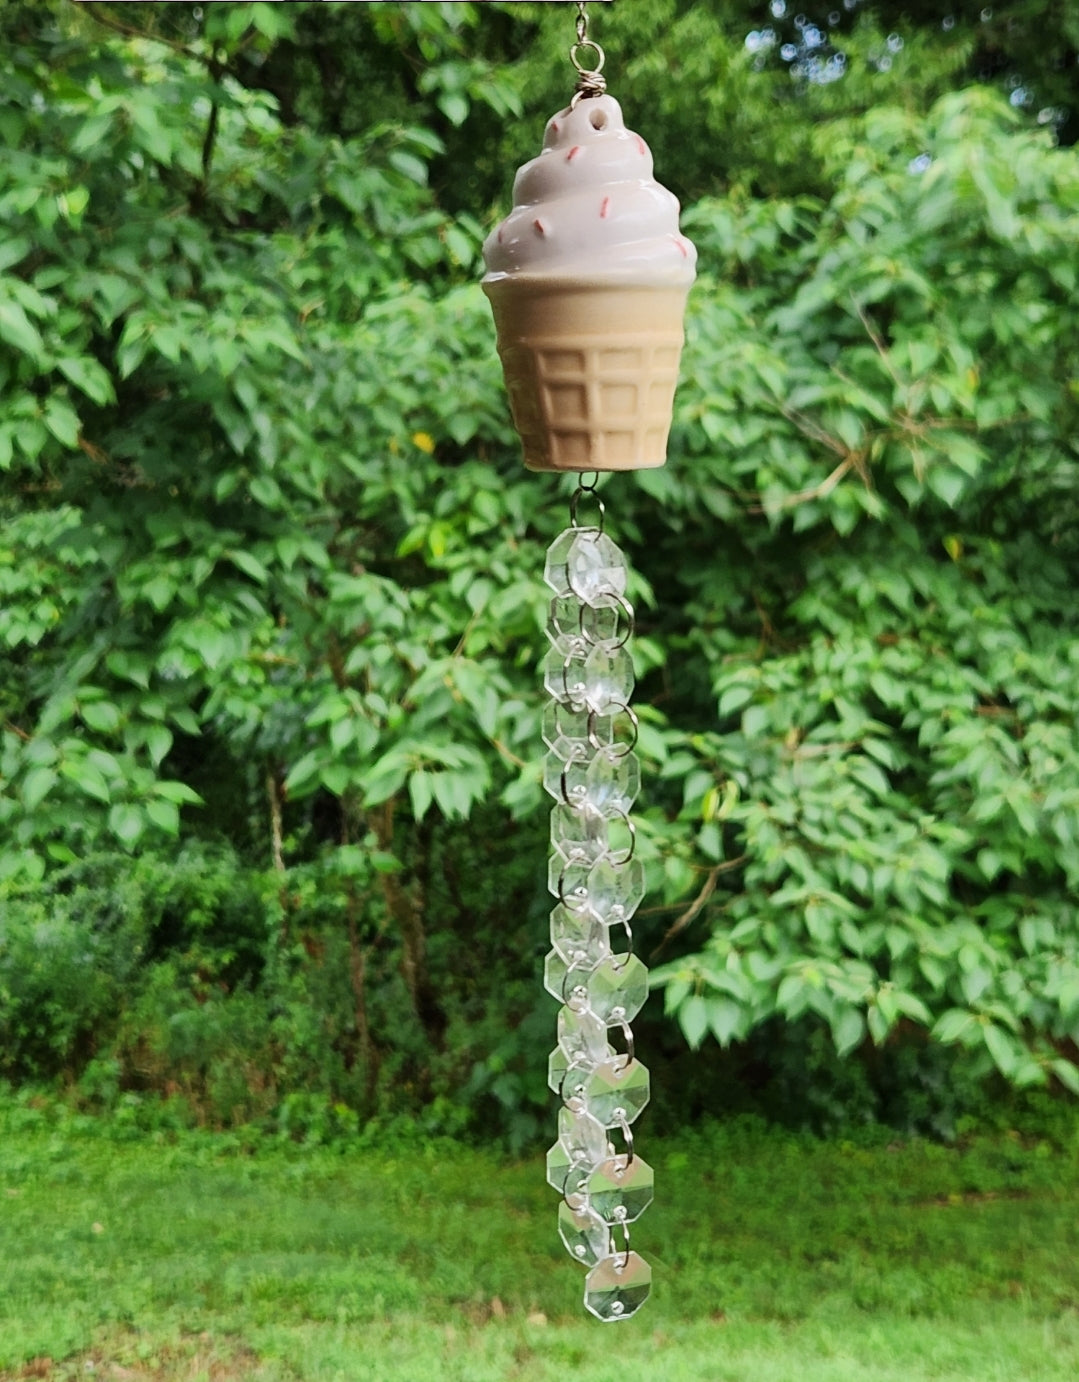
column 36, row 786
column 693, row 1019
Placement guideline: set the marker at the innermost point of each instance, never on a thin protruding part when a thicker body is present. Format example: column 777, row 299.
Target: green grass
column 777, row 1258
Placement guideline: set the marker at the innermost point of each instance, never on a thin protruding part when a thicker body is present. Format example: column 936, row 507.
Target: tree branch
column 699, row 902
column 849, row 463
column 107, row 21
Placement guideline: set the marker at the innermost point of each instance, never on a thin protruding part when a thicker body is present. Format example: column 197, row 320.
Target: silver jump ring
column 627, row 1032
column 620, row 861
column 580, row 894
column 601, row 57
column 624, row 1254
column 570, row 864
column 624, row 923
column 618, row 708
column 627, row 1135
column 575, row 499
column 580, row 1194
column 567, row 694
column 576, row 754
column 621, row 604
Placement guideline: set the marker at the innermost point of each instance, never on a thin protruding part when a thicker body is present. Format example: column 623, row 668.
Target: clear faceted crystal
column 617, row 1286
column 568, row 1174
column 557, row 1066
column 614, row 891
column 621, row 1188
column 567, row 781
column 568, row 982
column 565, row 625
column 559, row 1162
column 595, row 568
column 565, row 678
column 578, row 932
column 567, row 879
column 612, row 779
column 607, row 623
column 556, row 570
column 567, row 1077
column 579, row 833
column 614, row 1092
column 584, row 1137
column 606, row 780
column 606, row 680
column 566, row 732
column 617, row 988
column 586, row 1236
column 561, row 774
column 583, row 1037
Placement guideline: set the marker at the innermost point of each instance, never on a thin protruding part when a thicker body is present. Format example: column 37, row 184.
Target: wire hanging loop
column 590, row 81
column 586, row 487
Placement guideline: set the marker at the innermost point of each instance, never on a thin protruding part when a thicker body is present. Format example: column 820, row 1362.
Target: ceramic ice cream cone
column 590, row 372
column 588, row 278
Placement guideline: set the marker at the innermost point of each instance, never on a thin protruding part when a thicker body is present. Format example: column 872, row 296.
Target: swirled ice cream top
column 589, row 207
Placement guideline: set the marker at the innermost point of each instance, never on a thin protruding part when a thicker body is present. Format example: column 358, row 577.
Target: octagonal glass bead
column 568, row 1174
column 586, row 1236
column 566, row 731
column 614, row 891
column 621, row 1188
column 555, row 568
column 606, row 680
column 617, row 1286
column 564, row 679
column 606, row 623
column 567, row 979
column 616, row 989
column 557, row 773
column 557, row 1066
column 595, row 567
column 583, row 1037
column 580, row 834
column 611, row 781
column 586, row 563
column 565, row 626
column 573, row 625
column 567, row 875
column 584, row 1137
column 578, row 931
column 568, row 982
column 614, row 1092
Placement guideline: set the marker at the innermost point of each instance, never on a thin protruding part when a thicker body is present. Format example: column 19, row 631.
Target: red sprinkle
column 605, row 209
column 642, row 147
column 573, row 153
column 541, row 229
column 682, row 246
column 499, row 234
column 554, row 126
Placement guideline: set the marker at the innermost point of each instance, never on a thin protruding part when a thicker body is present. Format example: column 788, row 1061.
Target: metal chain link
column 590, row 81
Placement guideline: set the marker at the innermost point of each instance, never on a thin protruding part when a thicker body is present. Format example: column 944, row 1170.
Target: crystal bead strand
column 592, row 772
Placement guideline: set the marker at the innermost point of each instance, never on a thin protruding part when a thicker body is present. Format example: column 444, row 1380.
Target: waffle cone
column 590, row 371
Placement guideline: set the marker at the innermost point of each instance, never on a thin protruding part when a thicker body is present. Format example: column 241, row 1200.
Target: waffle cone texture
column 590, row 371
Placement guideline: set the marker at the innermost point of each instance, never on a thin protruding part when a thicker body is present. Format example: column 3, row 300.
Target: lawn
column 195, row 1255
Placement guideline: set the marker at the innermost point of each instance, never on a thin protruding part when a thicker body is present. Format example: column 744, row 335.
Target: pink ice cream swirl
column 590, row 208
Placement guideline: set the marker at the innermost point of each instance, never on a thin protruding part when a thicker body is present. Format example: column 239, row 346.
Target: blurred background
column 272, row 830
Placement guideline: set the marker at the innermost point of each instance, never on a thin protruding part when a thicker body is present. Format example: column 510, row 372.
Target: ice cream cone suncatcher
column 588, row 277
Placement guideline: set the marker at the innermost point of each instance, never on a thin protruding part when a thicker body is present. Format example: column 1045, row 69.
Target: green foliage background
column 271, row 824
